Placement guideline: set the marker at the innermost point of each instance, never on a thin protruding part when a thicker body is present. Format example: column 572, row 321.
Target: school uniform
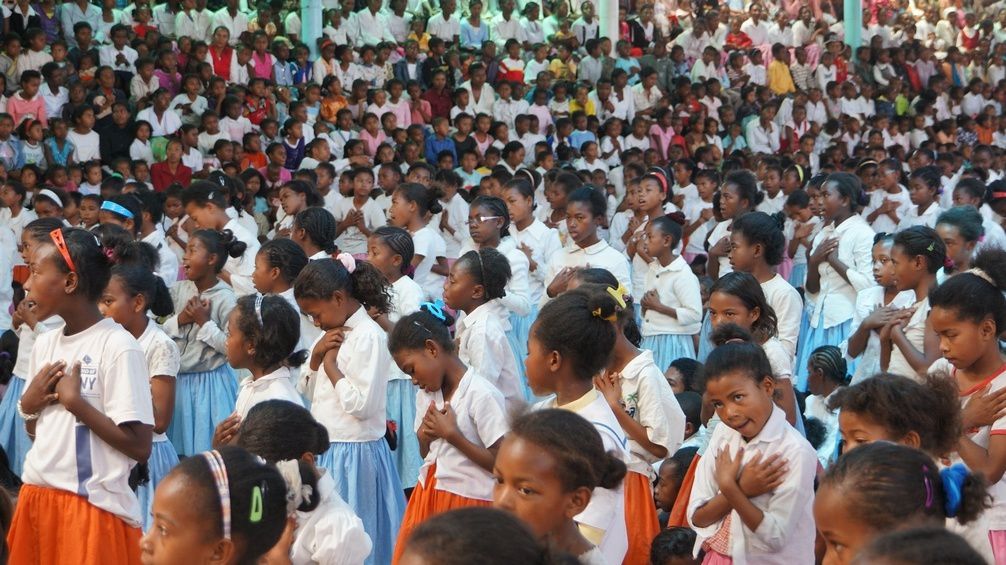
column 76, row 505
column 600, row 255
column 206, row 387
column 788, row 306
column 163, row 360
column 649, row 400
column 428, row 243
column 352, row 240
column 670, row 338
column 915, row 333
column 354, row 413
column 241, row 268
column 457, row 216
column 817, row 407
column 167, row 267
column 798, row 272
column 883, row 223
column 603, row 521
column 786, row 534
column 331, row 533
column 277, row 385
column 17, row 224
column 832, row 307
column 406, row 296
column 927, row 218
column 868, row 300
column 483, row 346
column 448, row 479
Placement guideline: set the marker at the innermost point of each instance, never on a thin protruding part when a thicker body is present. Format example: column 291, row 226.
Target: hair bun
column 676, row 217
column 612, row 471
column 730, row 333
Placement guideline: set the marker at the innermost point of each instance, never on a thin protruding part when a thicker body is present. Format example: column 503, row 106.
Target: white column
column 607, row 14
column 311, row 24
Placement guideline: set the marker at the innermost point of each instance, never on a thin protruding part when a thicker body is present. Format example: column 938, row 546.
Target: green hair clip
column 256, row 505
column 932, row 245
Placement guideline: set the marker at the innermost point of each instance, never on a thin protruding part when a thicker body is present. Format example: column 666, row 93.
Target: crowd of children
column 717, row 282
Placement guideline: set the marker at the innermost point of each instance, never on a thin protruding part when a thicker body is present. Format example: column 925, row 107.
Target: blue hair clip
column 435, row 309
column 953, row 481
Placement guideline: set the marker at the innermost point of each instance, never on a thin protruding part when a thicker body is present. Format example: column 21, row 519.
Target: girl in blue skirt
column 347, row 377
column 672, row 303
column 207, row 387
column 131, row 293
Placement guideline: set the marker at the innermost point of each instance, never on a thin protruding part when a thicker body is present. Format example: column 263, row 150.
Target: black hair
column 576, row 325
column 497, row 208
column 971, row 295
column 691, row 404
column 132, row 203
column 920, row 546
column 40, row 228
column 670, row 224
column 478, row 535
column 971, row 186
column 923, row 241
column 759, row 228
column 888, row 484
column 273, row 328
column 311, row 196
column 152, row 203
column 672, row 543
column 736, row 352
column 399, row 242
column 92, row 266
column 848, row 186
column 136, row 281
column 426, row 199
column 966, row 219
column 746, row 185
column 931, row 175
column 626, row 317
column 566, row 181
column 901, row 405
column 489, row 268
column 830, row 361
column 593, row 198
column 691, row 372
column 319, row 226
column 283, row 254
column 251, row 481
column 223, row 244
column 798, row 199
column 429, row 323
column 746, row 288
column 322, row 278
column 576, row 446
column 202, row 193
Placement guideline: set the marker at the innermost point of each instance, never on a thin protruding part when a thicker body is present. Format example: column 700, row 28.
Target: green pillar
column 853, row 23
column 311, row 24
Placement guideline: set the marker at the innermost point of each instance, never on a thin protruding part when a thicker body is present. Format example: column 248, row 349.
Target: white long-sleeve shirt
column 763, row 139
column 788, row 306
column 544, row 244
column 483, row 346
column 836, row 298
column 600, row 255
column 331, row 533
column 678, row 288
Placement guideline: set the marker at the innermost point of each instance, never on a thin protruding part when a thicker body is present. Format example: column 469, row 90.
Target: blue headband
column 953, row 483
column 117, row 208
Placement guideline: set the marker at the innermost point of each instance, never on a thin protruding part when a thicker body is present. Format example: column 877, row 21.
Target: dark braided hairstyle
column 319, row 226
column 830, row 361
column 399, row 242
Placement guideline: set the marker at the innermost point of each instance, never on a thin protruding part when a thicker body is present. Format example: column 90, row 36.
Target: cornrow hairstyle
column 319, row 226
column 594, row 199
column 626, row 317
column 247, row 475
column 431, row 322
column 758, row 228
column 138, row 281
column 496, row 207
column 576, row 325
column 275, row 335
column 925, row 242
column 93, row 268
column 887, row 485
column 830, row 361
column 736, row 352
column 576, row 446
column 489, row 268
column 971, row 295
column 322, row 278
column 746, row 186
column 427, row 200
column 917, row 546
column 399, row 242
column 901, row 405
column 285, row 255
column 222, row 244
column 966, row 219
column 745, row 288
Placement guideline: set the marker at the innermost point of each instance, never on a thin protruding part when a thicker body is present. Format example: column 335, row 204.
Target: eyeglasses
column 57, row 238
column 479, row 220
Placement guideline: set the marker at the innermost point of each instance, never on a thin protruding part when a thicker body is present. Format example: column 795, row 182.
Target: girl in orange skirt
column 87, row 404
column 460, row 416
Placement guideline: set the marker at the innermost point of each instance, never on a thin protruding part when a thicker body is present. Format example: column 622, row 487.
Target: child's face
column 843, row 531
column 363, row 184
column 461, row 291
column 920, row 192
column 744, row 255
column 743, row 403
column 94, row 175
column 179, row 531
column 88, row 212
column 666, row 490
column 581, row 222
column 380, row 255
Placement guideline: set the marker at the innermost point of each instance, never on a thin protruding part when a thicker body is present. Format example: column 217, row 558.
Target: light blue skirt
column 668, row 347
column 365, row 477
column 637, row 309
column 705, row 346
column 520, row 327
column 202, row 400
column 162, row 460
column 13, row 435
column 798, row 276
column 402, row 410
column 816, row 337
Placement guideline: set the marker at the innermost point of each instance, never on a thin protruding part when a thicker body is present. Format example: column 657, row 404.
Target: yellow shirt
column 588, row 108
column 562, row 71
column 780, row 81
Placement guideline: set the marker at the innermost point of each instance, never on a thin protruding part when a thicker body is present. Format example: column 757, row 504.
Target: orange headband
column 57, row 238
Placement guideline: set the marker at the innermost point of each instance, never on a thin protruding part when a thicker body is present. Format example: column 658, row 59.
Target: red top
column 221, row 62
column 161, row 177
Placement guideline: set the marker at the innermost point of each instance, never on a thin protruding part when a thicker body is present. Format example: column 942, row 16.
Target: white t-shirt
column 788, row 306
column 66, row 454
column 86, row 146
column 352, row 240
column 428, row 243
column 163, row 357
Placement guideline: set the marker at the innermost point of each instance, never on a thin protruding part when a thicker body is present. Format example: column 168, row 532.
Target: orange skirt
column 427, row 501
column 640, row 518
column 53, row 526
column 679, row 512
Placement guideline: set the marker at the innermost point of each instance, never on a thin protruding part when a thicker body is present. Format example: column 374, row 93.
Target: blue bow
column 953, row 481
column 435, row 309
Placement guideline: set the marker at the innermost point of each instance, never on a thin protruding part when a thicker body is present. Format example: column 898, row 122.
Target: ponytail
column 321, row 279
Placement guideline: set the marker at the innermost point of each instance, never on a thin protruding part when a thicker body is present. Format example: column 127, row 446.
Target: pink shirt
column 544, row 117
column 417, row 117
column 262, row 66
column 21, row 109
column 372, row 141
column 660, row 139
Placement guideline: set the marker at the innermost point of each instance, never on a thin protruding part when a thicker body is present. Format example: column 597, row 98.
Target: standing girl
column 132, row 294
column 738, row 196
column 561, row 460
column 358, row 216
column 88, row 406
column 346, row 384
column 753, row 495
column 839, row 267
column 924, row 191
column 277, row 265
column 210, row 205
column 460, row 419
column 908, row 345
column 569, row 344
column 672, row 300
column 651, row 195
column 961, row 230
column 207, row 386
column 412, row 205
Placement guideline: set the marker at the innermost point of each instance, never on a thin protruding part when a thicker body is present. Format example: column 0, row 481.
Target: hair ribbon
column 619, row 294
column 347, row 261
column 258, row 309
column 296, row 491
column 117, row 208
column 219, row 471
column 435, row 309
column 980, row 273
column 929, row 486
column 953, row 482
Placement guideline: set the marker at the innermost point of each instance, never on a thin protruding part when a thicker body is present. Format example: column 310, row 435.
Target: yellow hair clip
column 612, row 318
column 619, row 295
